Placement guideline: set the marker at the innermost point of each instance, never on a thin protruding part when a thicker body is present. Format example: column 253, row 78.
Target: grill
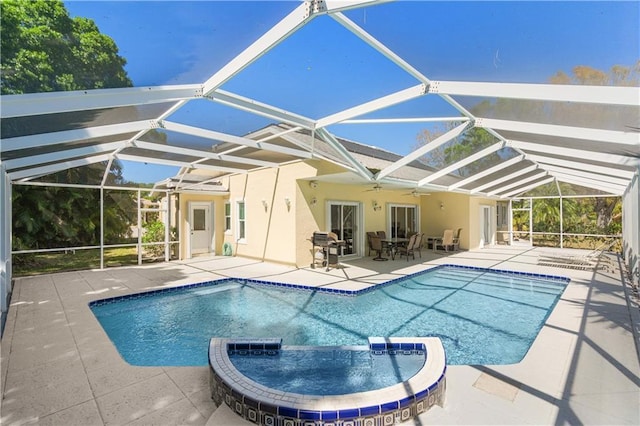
column 325, row 249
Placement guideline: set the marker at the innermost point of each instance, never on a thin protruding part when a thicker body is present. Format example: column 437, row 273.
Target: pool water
column 481, row 316
column 314, row 372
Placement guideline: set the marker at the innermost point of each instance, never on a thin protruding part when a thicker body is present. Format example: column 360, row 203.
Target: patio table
column 392, row 243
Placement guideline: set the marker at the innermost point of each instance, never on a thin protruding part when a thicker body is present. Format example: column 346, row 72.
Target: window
column 404, row 221
column 242, row 226
column 503, row 214
column 227, row 217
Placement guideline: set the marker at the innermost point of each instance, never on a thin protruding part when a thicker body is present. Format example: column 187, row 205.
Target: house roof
column 583, row 135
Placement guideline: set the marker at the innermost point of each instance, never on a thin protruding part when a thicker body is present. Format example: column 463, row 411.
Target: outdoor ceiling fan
column 415, row 193
column 377, row 187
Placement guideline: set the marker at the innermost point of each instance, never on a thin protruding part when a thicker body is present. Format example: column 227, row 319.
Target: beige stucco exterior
column 278, row 230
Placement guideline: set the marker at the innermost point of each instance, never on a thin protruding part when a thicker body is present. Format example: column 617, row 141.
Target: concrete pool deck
column 60, row 368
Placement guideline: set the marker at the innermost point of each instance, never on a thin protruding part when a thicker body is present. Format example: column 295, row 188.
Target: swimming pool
column 482, row 316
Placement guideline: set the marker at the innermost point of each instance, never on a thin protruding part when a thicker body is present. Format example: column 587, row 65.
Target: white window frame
column 228, row 223
column 241, row 239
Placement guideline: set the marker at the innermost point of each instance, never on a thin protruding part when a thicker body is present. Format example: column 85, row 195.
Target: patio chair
column 445, row 242
column 409, row 249
column 376, row 245
column 456, row 239
column 370, row 235
column 418, row 244
column 385, row 246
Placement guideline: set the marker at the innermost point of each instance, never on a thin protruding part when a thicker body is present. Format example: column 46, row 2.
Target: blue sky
column 323, row 69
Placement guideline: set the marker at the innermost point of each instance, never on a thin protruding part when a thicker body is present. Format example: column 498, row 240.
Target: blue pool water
column 314, row 372
column 481, row 316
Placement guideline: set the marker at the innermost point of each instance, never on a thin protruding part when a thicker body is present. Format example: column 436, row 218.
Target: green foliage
column 54, row 216
column 44, row 49
column 154, row 233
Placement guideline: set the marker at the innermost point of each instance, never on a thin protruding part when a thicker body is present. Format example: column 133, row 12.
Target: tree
column 472, row 141
column 44, row 50
column 54, row 216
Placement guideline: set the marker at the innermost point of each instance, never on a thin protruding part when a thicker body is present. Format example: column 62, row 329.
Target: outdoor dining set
column 380, row 244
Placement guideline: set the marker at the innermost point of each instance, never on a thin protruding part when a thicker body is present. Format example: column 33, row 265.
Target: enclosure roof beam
column 381, row 48
column 82, row 100
column 57, row 167
column 52, row 157
column 260, row 108
column 543, row 160
column 505, row 178
column 274, row 36
column 374, row 105
column 487, row 172
column 528, row 187
column 224, row 137
column 587, row 174
column 405, row 120
column 203, row 154
column 601, row 157
column 333, row 142
column 424, row 149
column 54, row 138
column 465, row 161
column 167, row 162
column 600, row 135
column 612, row 189
column 538, row 175
column 543, row 92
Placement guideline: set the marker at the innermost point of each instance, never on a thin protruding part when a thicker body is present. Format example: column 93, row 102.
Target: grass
column 71, row 260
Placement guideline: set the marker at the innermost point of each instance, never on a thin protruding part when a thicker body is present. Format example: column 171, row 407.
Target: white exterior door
column 200, row 228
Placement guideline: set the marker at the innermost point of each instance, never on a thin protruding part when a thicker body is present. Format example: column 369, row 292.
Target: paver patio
column 59, row 367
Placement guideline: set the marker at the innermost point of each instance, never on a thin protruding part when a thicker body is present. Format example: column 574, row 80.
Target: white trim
column 236, row 215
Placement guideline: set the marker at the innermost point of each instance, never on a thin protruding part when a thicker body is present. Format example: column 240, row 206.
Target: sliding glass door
column 344, row 220
column 403, row 220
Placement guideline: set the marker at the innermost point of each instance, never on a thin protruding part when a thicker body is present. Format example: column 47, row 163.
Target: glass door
column 344, row 221
column 403, row 221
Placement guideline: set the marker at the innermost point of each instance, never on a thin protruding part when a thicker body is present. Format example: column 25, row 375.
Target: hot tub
column 346, row 390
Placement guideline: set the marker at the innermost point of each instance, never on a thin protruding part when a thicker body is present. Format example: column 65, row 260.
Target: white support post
column 167, row 225
column 5, row 240
column 102, row 226
column 139, row 229
column 530, row 221
column 510, row 222
column 561, row 223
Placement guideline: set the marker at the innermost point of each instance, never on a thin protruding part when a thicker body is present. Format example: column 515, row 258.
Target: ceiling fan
column 415, row 193
column 376, row 187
